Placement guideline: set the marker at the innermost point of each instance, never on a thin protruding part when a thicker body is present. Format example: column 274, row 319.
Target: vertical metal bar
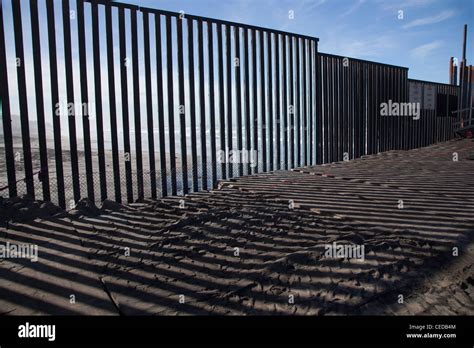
column 254, row 96
column 136, row 99
column 404, row 88
column 229, row 60
column 330, row 113
column 85, row 100
column 379, row 101
column 397, row 97
column 53, row 68
column 310, row 104
column 238, row 96
column 297, row 104
column 304, row 107
column 357, row 102
column 262, row 100
column 202, row 107
column 39, row 99
column 276, row 38
column 362, row 122
column 6, row 113
column 292, row 104
column 383, row 119
column 22, row 97
column 192, row 104
column 212, row 107
column 149, row 103
column 336, row 151
column 220, row 59
column 366, row 109
column 284, row 104
column 112, row 103
column 342, row 110
column 394, row 126
column 353, row 100
column 125, row 112
column 325, row 114
column 387, row 98
column 161, row 114
column 247, row 97
column 362, row 111
column 98, row 100
column 270, row 100
column 373, row 109
column 170, row 94
column 319, row 109
column 316, row 98
column 70, row 99
column 344, row 106
column 182, row 106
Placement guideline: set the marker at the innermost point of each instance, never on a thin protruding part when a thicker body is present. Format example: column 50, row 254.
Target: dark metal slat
column 319, row 110
column 270, row 100
column 70, row 99
column 229, row 61
column 304, row 129
column 202, row 109
column 212, row 106
column 262, row 100
column 182, row 106
column 238, row 96
column 170, row 94
column 149, row 104
column 324, row 114
column 292, row 105
column 284, row 104
column 192, row 105
column 247, row 97
column 343, row 106
column 357, row 115
column 254, row 97
column 125, row 112
column 22, row 97
column 136, row 104
column 330, row 113
column 276, row 43
column 297, row 103
column 161, row 113
column 6, row 113
column 220, row 59
column 44, row 173
column 311, row 77
column 112, row 103
column 335, row 132
column 98, row 101
column 85, row 100
column 53, row 68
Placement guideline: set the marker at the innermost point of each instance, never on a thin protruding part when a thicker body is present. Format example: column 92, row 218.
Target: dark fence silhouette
column 172, row 103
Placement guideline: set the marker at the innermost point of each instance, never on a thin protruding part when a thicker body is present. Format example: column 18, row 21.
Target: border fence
column 172, row 103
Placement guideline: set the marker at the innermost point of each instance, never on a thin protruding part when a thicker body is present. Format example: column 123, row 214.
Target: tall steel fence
column 109, row 100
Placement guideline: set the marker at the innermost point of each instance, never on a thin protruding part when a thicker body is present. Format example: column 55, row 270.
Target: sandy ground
column 257, row 245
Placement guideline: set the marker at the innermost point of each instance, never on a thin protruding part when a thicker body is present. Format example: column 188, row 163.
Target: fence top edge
column 432, row 82
column 362, row 60
column 199, row 18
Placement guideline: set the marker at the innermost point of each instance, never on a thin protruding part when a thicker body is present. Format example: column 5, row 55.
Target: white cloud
column 423, row 51
column 430, row 20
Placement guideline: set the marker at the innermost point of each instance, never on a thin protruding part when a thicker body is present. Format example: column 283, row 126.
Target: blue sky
column 429, row 33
